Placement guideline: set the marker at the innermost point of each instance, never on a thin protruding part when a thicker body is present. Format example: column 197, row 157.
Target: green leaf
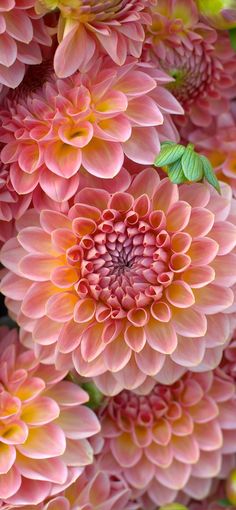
column 95, row 396
column 192, row 165
column 209, row 173
column 169, row 154
column 173, row 506
column 175, row 173
column 224, row 502
column 232, row 36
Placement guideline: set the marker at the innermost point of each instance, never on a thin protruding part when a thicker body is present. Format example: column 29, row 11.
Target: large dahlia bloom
column 89, row 120
column 88, row 28
column 127, row 285
column 202, row 62
column 43, row 426
column 172, row 439
column 217, row 142
column 21, row 35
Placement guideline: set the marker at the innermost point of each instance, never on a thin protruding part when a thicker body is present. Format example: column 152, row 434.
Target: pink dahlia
column 217, row 142
column 201, row 61
column 89, row 120
column 21, row 35
column 89, row 27
column 172, row 439
column 127, row 285
column 43, row 426
column 93, row 490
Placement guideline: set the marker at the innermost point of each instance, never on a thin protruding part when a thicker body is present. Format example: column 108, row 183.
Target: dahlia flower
column 135, row 282
column 87, row 120
column 89, row 27
column 172, row 439
column 44, row 428
column 21, row 36
column 91, row 491
column 217, row 142
column 202, row 62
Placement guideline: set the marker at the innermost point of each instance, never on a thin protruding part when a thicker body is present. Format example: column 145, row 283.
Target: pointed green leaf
column 232, row 36
column 175, row 172
column 209, row 173
column 192, row 165
column 169, row 154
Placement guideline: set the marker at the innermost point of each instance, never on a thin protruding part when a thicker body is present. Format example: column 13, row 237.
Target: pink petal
column 7, row 457
column 161, row 336
column 143, row 145
column 125, row 451
column 211, row 441
column 178, row 216
column 116, row 355
column 35, row 300
column 9, row 483
column 139, row 105
column 224, row 233
column 78, row 422
column 102, row 158
column 190, row 324
column 149, row 361
column 165, row 196
column 141, row 474
column 185, row 449
column 49, row 470
column 189, row 352
column 38, row 266
column 41, row 411
column 78, row 453
column 214, row 299
column 56, row 187
column 44, row 442
column 70, row 55
column 67, row 394
column 180, row 294
column 62, row 159
column 60, row 307
column 34, row 239
column 175, row 477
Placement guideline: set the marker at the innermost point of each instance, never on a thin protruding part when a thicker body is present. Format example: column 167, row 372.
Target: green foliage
column 232, row 36
column 174, row 506
column 225, row 503
column 95, row 396
column 183, row 164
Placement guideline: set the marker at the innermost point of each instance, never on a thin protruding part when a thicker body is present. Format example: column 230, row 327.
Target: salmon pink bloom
column 172, row 439
column 43, row 426
column 88, row 28
column 89, row 120
column 201, row 61
column 127, row 285
column 21, row 35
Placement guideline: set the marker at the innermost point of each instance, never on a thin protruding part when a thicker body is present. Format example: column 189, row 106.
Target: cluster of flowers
column 121, row 281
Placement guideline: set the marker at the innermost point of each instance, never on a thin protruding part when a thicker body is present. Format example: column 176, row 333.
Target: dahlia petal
column 102, row 158
column 30, row 388
column 213, row 300
column 23, row 182
column 14, row 433
column 161, row 495
column 42, row 411
column 19, row 26
column 35, row 300
column 87, row 369
column 189, row 351
column 211, row 441
column 198, row 488
column 77, row 452
column 116, row 129
column 180, row 294
column 44, row 442
column 183, row 426
column 170, row 372
column 175, row 477
column 29, row 158
column 199, row 276
column 144, row 182
column 140, row 475
column 67, row 394
column 63, row 239
column 125, row 451
column 34, row 239
column 203, row 251
column 11, row 253
column 60, row 307
column 208, row 465
column 200, row 223
column 116, row 355
column 7, row 457
column 68, row 57
column 12, row 76
column 8, row 50
column 148, row 361
column 37, row 266
column 92, row 344
column 78, row 422
column 227, row 415
column 52, row 220
column 9, row 483
column 224, row 233
column 130, row 376
column 64, row 276
column 56, row 187
column 190, row 324
column 136, row 107
column 70, row 337
column 185, row 449
column 142, row 147
column 14, row 287
column 142, row 436
column 135, row 338
column 161, row 336
column 49, row 470
column 228, row 446
column 62, row 159
column 204, row 410
column 159, row 455
column 178, row 216
column 30, row 493
column 225, row 270
column 165, row 196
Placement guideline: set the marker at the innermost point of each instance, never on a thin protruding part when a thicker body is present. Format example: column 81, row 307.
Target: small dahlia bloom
column 201, row 61
column 89, row 120
column 88, row 28
column 21, row 35
column 43, row 426
column 172, row 439
column 217, row 142
column 127, row 285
